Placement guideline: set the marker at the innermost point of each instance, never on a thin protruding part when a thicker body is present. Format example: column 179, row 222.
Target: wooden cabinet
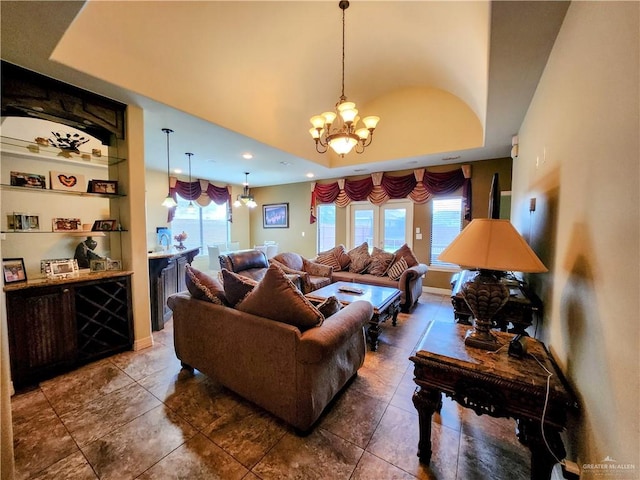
column 56, row 326
column 166, row 277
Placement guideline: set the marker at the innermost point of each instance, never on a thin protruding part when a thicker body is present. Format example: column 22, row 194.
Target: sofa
column 358, row 266
column 291, row 370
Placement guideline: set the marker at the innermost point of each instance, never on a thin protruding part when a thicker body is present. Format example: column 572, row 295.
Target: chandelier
column 245, row 197
column 342, row 135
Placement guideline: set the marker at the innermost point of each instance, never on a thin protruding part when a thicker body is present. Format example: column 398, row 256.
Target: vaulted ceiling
column 450, row 80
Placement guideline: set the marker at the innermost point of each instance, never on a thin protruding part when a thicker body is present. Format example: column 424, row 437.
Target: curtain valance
column 200, row 191
column 419, row 186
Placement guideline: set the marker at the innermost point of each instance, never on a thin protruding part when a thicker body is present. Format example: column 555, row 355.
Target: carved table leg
column 426, row 402
column 374, row 332
column 395, row 309
column 542, row 460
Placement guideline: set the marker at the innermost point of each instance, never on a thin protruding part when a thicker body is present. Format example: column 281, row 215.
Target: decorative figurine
column 84, row 252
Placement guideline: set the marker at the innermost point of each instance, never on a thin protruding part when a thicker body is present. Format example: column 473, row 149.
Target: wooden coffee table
column 385, row 301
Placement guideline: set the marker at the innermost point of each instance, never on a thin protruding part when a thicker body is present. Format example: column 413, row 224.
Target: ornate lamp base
column 485, row 295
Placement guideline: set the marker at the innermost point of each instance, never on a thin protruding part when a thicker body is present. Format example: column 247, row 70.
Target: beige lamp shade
column 492, row 244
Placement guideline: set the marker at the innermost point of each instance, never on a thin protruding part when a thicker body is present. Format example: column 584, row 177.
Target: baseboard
column 437, row 291
column 143, row 343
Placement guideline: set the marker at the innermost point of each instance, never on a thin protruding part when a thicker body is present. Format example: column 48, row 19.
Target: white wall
column 579, row 157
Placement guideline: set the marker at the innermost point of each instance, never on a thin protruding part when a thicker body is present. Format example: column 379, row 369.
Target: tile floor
column 138, row 415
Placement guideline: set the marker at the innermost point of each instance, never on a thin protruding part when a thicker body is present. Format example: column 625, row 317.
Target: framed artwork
column 98, row 265
column 13, row 270
column 23, row 222
column 104, row 226
column 69, row 182
column 30, row 180
column 67, row 225
column 275, row 215
column 114, row 264
column 63, row 268
column 107, row 187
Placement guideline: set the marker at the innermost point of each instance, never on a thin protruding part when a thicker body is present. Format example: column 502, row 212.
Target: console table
column 494, row 384
column 519, row 310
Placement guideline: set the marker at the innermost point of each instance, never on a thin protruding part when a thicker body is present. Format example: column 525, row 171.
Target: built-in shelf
column 58, row 192
column 40, row 151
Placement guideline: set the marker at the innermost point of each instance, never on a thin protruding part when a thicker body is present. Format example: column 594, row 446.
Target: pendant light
column 168, row 202
column 191, row 208
column 245, row 197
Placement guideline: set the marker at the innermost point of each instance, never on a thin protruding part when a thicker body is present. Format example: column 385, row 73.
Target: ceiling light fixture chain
column 168, row 202
column 191, row 207
column 345, row 135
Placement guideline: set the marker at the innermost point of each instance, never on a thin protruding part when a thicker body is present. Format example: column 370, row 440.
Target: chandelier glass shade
column 339, row 129
column 168, row 202
column 245, row 198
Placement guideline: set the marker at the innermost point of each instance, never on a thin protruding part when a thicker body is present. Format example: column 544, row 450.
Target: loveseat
column 291, row 371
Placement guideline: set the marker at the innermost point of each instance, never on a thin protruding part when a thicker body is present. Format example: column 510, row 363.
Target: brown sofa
column 291, row 373
column 253, row 264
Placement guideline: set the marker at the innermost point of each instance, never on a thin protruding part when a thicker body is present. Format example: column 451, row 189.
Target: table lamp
column 491, row 246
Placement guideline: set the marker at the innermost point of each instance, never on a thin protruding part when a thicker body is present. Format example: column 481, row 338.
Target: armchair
column 312, row 275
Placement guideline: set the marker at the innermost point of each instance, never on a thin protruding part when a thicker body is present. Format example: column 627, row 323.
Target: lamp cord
column 342, row 98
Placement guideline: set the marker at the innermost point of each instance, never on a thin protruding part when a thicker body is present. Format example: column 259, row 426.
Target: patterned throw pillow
column 277, row 298
column 395, row 271
column 204, row 287
column 329, row 307
column 236, row 287
column 360, row 258
column 336, row 258
column 380, row 262
column 405, row 252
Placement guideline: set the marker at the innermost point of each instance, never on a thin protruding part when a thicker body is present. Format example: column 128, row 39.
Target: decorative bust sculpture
column 84, row 252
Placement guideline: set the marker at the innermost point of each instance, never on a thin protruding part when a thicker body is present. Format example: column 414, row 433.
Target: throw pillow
column 395, row 270
column 330, row 306
column 360, row 258
column 277, row 298
column 380, row 262
column 336, row 258
column 405, row 252
column 236, row 287
column 204, row 287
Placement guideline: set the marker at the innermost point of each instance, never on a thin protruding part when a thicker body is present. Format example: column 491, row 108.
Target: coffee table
column 385, row 301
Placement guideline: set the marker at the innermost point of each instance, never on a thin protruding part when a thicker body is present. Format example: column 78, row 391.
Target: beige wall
column 579, row 158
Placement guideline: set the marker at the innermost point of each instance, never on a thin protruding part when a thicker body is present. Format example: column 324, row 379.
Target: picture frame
column 13, row 270
column 105, row 187
column 45, row 265
column 104, row 226
column 98, row 265
column 70, row 182
column 63, row 269
column 67, row 225
column 28, row 180
column 114, row 264
column 275, row 215
column 23, row 222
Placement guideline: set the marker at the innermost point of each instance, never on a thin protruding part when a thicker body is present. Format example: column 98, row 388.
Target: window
column 326, row 220
column 206, row 226
column 446, row 224
column 385, row 226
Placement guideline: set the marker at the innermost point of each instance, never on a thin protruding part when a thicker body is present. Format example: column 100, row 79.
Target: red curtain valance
column 419, row 186
column 200, row 191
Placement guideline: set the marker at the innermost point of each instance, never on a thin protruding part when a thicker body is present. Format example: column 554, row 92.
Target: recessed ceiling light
column 285, row 163
column 310, row 175
column 412, row 162
column 247, row 156
column 451, row 158
column 360, row 170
